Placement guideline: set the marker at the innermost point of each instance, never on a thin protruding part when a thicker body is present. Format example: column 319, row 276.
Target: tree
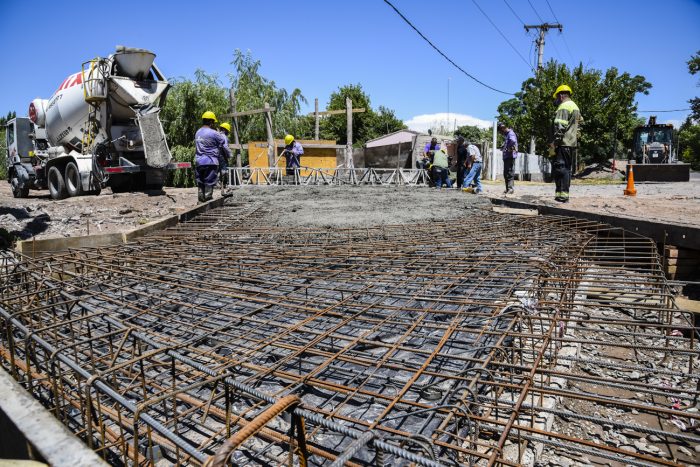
column 606, row 100
column 689, row 143
column 365, row 126
column 694, row 68
column 473, row 133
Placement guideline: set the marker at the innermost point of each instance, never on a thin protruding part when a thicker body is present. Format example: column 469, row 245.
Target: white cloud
column 426, row 121
column 676, row 123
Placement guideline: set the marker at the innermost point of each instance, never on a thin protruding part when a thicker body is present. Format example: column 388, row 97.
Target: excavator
column 655, row 155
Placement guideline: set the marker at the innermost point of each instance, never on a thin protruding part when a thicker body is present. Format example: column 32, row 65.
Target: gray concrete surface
column 25, row 421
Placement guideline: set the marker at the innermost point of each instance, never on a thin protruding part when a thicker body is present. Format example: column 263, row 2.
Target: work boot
column 557, row 196
column 200, row 194
column 208, row 193
column 510, row 191
column 564, row 197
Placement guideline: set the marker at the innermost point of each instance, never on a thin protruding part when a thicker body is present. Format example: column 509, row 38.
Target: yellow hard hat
column 562, row 88
column 209, row 115
column 226, row 126
column 288, row 139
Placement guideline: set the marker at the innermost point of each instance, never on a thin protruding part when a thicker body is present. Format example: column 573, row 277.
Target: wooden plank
column 337, row 112
column 249, row 112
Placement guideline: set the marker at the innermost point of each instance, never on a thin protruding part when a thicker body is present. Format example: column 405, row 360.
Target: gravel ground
column 40, row 217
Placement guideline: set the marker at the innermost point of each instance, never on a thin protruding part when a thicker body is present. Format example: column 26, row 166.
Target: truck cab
column 26, row 148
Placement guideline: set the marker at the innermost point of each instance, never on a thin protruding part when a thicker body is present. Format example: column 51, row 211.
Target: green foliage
column 474, row 133
column 252, row 91
column 689, row 143
column 694, row 68
column 606, row 100
column 365, row 126
column 186, row 102
column 182, row 178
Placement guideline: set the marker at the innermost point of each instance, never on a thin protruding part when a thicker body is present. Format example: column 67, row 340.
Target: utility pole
column 543, row 28
column 539, row 42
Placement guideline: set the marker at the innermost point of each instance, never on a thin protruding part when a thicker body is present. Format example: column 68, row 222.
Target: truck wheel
column 72, row 179
column 18, row 192
column 57, row 188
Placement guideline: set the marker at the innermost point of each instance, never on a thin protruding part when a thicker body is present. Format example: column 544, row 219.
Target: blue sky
column 318, row 46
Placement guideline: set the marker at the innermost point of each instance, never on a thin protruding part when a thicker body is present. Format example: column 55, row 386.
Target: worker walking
column 565, row 139
column 224, row 129
column 293, row 151
column 209, row 144
column 510, row 152
column 441, row 164
column 475, row 171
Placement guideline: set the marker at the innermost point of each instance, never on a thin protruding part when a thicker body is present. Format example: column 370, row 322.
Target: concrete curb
column 671, row 234
column 47, row 245
column 28, row 428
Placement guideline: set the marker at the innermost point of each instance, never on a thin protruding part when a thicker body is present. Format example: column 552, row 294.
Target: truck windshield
column 24, row 141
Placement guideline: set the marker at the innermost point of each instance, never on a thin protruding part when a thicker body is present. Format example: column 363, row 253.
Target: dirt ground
column 677, row 203
column 40, row 217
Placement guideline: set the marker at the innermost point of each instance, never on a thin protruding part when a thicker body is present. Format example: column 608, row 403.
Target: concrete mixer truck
column 100, row 128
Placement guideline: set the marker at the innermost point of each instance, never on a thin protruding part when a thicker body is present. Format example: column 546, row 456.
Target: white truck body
column 100, row 128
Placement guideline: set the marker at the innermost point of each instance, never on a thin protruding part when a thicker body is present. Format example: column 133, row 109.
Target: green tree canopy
column 606, row 99
column 694, row 68
column 473, row 133
column 365, row 126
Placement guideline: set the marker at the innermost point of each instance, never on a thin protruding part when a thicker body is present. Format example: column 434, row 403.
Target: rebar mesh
column 480, row 342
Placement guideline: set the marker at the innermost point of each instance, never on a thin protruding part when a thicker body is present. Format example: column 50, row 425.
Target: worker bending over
column 292, row 153
column 441, row 164
column 209, row 144
column 565, row 139
column 475, row 171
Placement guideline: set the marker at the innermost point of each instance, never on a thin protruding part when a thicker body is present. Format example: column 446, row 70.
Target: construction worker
column 565, row 139
column 462, row 161
column 428, row 154
column 510, row 152
column 292, row 154
column 224, row 129
column 441, row 164
column 475, row 171
column 209, row 144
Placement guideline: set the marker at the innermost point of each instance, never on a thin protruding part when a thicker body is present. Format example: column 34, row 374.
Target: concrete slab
column 32, row 426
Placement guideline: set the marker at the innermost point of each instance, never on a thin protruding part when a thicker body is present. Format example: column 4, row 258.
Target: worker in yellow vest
column 563, row 147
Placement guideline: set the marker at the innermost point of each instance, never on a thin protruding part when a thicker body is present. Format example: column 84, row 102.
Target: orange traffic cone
column 630, row 190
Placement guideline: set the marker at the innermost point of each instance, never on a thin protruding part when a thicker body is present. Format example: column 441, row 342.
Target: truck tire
column 57, row 187
column 18, row 192
column 72, row 180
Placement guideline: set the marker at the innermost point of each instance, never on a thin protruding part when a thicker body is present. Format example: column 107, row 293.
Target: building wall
column 315, row 158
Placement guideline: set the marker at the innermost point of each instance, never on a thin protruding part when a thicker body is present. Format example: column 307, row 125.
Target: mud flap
column 155, row 147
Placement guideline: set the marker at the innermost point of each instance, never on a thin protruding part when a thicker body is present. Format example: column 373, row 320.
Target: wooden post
column 349, row 163
column 232, row 105
column 316, row 117
column 270, row 139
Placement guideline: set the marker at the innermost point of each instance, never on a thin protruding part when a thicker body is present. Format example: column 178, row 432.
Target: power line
column 442, row 53
column 533, row 9
column 566, row 43
column 662, row 111
column 512, row 10
column 501, row 33
column 550, row 9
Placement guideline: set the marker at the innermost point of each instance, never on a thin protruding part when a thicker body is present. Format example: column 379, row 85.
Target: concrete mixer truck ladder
column 95, row 93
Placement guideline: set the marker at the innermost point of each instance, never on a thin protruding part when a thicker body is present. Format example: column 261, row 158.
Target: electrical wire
column 501, row 33
column 566, row 43
column 533, row 9
column 513, row 11
column 442, row 53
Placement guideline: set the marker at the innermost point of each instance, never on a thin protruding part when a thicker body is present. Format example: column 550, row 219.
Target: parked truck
column 100, row 128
